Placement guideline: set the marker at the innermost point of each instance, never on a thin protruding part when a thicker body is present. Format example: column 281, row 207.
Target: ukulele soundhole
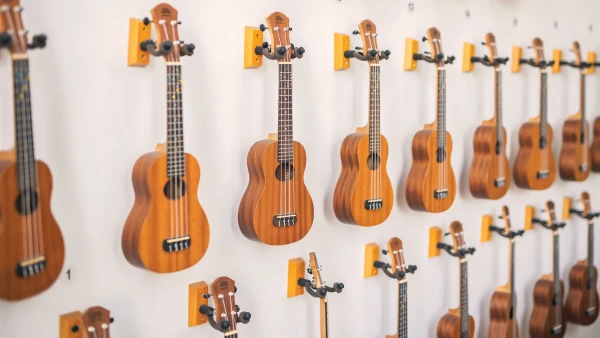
column 373, row 161
column 175, row 188
column 284, row 172
column 440, row 155
column 27, row 202
column 543, row 142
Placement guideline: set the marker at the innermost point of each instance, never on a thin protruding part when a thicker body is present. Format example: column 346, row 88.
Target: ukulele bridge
column 31, row 267
column 590, row 311
column 543, row 174
column 557, row 329
column 177, row 244
column 440, row 194
column 284, row 220
column 374, row 204
column 583, row 167
column 499, row 182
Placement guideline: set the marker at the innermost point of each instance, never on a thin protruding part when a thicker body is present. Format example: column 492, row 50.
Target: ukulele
column 315, row 269
column 457, row 323
column 431, row 185
column 535, row 166
column 31, row 245
column 96, row 321
column 548, row 317
column 574, row 155
column 488, row 175
column 396, row 252
column 167, row 229
column 582, row 299
column 503, row 308
column 595, row 150
column 364, row 194
column 276, row 208
column 223, row 290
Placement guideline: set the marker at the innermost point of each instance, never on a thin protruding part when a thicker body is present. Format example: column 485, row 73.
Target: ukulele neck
column 498, row 105
column 582, row 103
column 324, row 319
column 374, row 109
column 511, row 271
column 590, row 252
column 285, row 131
column 543, row 103
column 26, row 163
column 464, row 298
column 441, row 107
column 403, row 309
column 175, row 144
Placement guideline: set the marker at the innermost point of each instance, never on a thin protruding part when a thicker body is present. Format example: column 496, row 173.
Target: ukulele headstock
column 223, row 291
column 279, row 27
column 96, row 321
column 587, row 206
column 368, row 35
column 506, row 219
column 396, row 252
column 538, row 53
column 166, row 26
column 435, row 44
column 490, row 42
column 315, row 269
column 11, row 23
column 550, row 212
column 456, row 231
column 577, row 52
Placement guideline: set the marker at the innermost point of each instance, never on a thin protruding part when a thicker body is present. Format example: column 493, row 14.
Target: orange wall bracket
column 529, row 215
column 341, row 43
column 591, row 60
column 567, row 205
column 371, row 255
column 196, row 292
column 517, row 54
column 253, row 37
column 468, row 53
column 411, row 47
column 296, row 268
column 557, row 57
column 486, row 234
column 435, row 237
column 138, row 32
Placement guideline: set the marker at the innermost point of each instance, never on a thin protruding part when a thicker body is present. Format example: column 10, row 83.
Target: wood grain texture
column 543, row 314
column 356, row 183
column 485, row 167
column 529, row 158
column 152, row 218
column 263, row 196
column 579, row 296
column 501, row 323
column 573, row 153
column 13, row 287
column 596, row 146
column 425, row 174
column 449, row 325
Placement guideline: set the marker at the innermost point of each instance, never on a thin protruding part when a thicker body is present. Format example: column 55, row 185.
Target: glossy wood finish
column 263, row 196
column 13, row 287
column 503, row 323
column 579, row 295
column 543, row 314
column 485, row 167
column 426, row 173
column 529, row 157
column 354, row 186
column 449, row 325
column 574, row 153
column 596, row 146
column 153, row 216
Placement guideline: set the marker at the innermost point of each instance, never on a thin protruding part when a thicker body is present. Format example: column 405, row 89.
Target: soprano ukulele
column 431, row 185
column 503, row 308
column 226, row 315
column 488, row 177
column 276, row 208
column 96, row 321
column 582, row 300
column 363, row 194
column 167, row 229
column 535, row 166
column 457, row 323
column 548, row 316
column 321, row 290
column 400, row 269
column 573, row 162
column 595, row 150
column 31, row 245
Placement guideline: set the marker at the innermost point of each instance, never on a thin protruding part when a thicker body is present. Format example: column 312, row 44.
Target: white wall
column 94, row 117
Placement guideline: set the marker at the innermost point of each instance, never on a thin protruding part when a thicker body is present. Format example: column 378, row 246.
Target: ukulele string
column 377, row 125
column 233, row 312
column 371, row 121
column 170, row 107
column 92, row 330
column 104, row 330
column 284, row 164
column 290, row 117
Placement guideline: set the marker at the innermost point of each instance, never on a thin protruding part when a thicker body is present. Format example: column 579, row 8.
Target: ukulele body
column 425, row 176
column 155, row 218
column 449, row 325
column 573, row 152
column 544, row 314
column 579, row 295
column 486, row 161
column 595, row 151
column 355, row 186
column 501, row 323
column 267, row 196
column 528, row 163
column 12, row 235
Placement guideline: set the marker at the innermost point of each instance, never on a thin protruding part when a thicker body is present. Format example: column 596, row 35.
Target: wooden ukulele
column 167, row 229
column 276, row 208
column 364, row 194
column 226, row 312
column 318, row 284
column 503, row 308
column 93, row 323
column 32, row 249
column 535, row 166
column 488, row 177
column 573, row 162
column 582, row 299
column 457, row 323
column 548, row 316
column 431, row 185
column 595, row 150
column 400, row 269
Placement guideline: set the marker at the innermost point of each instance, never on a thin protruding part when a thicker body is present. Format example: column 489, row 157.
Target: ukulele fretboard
column 175, row 144
column 464, row 299
column 441, row 108
column 403, row 309
column 544, row 104
column 498, row 96
column 582, row 106
column 375, row 110
column 285, row 132
column 26, row 164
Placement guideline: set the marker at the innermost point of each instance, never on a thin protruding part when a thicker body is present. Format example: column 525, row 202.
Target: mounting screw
column 515, row 21
column 468, row 13
column 411, row 7
column 591, row 28
column 555, row 24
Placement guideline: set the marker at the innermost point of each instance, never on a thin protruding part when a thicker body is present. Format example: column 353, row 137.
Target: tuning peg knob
column 387, row 52
column 112, row 320
column 262, row 27
column 424, row 39
column 355, row 33
column 385, row 252
column 146, row 21
column 4, row 39
column 412, row 268
column 301, row 50
column 245, row 317
column 373, row 53
column 471, row 251
column 483, row 43
column 290, row 29
column 206, row 295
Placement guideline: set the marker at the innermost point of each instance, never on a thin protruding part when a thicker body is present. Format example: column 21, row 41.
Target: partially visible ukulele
column 318, row 285
column 96, row 321
column 503, row 308
column 596, row 146
column 431, row 185
column 167, row 229
column 31, row 245
column 399, row 267
column 457, row 323
column 548, row 316
column 582, row 300
column 226, row 312
column 489, row 175
column 276, row 208
column 573, row 162
column 363, row 194
column 535, row 166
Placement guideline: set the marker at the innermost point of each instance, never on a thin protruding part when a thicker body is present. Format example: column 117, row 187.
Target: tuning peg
column 187, row 49
column 385, row 252
column 471, row 251
column 401, row 274
column 450, row 59
column 245, row 317
column 235, row 289
column 112, row 320
column 358, row 48
column 355, row 33
column 262, row 27
column 237, row 308
column 411, row 268
column 290, row 29
column 483, row 43
column 424, row 39
column 146, row 21
column 4, row 40
column 39, row 41
column 446, row 234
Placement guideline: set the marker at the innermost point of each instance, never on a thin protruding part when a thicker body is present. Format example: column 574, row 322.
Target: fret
column 543, row 104
column 441, row 108
column 285, row 131
column 374, row 109
column 26, row 163
column 464, row 298
column 175, row 138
